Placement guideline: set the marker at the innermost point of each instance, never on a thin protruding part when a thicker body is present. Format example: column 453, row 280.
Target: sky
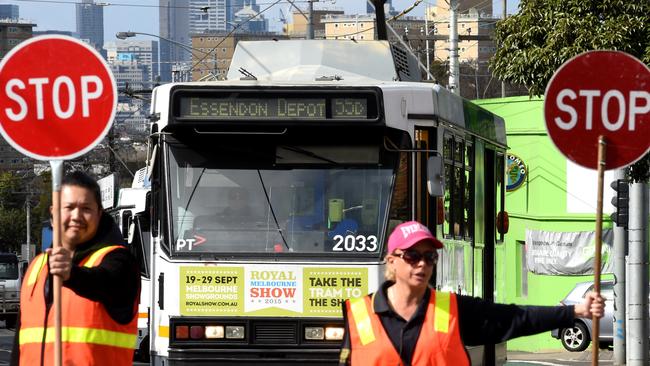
column 142, row 15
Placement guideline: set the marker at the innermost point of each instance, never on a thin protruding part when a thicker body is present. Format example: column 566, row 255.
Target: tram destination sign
column 275, row 106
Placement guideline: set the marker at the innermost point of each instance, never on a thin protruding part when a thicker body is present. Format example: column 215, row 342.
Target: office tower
column 9, row 11
column 134, row 54
column 90, row 23
column 207, row 15
column 174, row 29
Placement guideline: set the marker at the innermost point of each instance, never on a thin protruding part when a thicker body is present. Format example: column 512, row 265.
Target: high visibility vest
column 439, row 342
column 89, row 336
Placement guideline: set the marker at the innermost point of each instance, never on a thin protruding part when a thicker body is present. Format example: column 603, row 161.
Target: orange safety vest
column 439, row 342
column 89, row 336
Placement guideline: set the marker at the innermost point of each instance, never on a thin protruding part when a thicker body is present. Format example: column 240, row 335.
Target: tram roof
column 309, row 60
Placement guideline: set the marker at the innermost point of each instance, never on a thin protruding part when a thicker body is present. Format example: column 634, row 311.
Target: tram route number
column 220, row 280
column 355, row 243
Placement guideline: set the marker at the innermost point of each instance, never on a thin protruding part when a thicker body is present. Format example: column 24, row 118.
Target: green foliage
column 546, row 33
column 9, row 188
column 12, row 229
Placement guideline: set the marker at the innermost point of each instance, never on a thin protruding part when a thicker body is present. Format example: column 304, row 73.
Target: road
column 514, row 358
column 6, row 342
column 560, row 358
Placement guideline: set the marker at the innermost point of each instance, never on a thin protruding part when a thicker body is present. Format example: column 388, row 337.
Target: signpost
column 596, row 110
column 58, row 99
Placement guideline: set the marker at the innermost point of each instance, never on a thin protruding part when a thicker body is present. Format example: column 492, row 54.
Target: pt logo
column 197, row 240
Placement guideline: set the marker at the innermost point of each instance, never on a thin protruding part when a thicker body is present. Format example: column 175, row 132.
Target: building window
column 522, row 270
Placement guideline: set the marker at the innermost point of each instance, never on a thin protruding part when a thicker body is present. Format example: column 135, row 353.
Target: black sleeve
column 344, row 358
column 483, row 322
column 115, row 282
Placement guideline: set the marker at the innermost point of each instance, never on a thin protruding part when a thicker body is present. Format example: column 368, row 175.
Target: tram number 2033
column 355, row 243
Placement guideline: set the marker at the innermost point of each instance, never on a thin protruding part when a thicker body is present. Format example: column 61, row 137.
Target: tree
column 534, row 43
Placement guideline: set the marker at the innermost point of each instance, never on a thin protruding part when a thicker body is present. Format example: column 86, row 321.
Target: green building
column 546, row 195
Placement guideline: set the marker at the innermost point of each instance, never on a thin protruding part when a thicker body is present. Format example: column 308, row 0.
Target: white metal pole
column 638, row 276
column 453, row 47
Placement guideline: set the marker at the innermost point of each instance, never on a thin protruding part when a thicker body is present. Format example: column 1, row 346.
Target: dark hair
column 80, row 179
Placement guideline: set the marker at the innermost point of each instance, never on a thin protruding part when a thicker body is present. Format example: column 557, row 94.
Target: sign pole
column 57, row 173
column 602, row 152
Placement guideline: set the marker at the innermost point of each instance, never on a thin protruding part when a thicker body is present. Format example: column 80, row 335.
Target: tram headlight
column 214, row 331
column 334, row 333
column 234, row 332
column 314, row 333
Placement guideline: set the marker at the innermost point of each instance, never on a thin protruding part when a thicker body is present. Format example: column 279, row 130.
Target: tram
column 273, row 192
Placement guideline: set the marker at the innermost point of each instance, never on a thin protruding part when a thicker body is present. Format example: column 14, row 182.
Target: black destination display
column 269, row 106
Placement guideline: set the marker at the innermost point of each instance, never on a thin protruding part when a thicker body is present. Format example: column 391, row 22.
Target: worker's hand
column 60, row 260
column 593, row 305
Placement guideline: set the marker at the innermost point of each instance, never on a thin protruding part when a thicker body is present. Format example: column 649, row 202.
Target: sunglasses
column 414, row 257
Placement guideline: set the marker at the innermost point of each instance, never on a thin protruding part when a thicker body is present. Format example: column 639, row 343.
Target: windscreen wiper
column 268, row 200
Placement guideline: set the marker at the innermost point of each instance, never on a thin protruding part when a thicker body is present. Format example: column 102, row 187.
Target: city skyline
column 142, row 15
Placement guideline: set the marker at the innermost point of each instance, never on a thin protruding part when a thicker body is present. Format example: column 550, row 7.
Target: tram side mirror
column 435, row 176
column 131, row 231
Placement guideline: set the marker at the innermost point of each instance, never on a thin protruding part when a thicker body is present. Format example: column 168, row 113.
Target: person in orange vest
column 100, row 292
column 408, row 323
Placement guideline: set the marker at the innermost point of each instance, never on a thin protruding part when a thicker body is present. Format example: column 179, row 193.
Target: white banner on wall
column 566, row 253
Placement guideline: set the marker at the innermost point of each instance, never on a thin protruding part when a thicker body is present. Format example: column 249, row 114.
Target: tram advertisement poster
column 264, row 291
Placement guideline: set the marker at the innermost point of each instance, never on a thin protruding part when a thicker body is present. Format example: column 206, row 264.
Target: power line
column 231, row 32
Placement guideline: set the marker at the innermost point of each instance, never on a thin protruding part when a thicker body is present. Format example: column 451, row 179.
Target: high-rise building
column 388, row 8
column 218, row 15
column 248, row 20
column 131, row 55
column 90, row 23
column 174, row 29
column 9, row 11
column 207, row 15
column 12, row 32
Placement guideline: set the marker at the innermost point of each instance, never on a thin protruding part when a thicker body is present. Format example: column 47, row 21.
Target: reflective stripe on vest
column 36, row 269
column 79, row 335
column 441, row 319
column 91, row 261
column 362, row 320
column 364, row 325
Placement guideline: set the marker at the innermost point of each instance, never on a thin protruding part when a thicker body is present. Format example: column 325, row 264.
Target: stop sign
column 57, row 98
column 600, row 93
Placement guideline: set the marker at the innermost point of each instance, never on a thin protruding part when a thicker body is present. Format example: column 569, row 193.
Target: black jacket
column 480, row 322
column 115, row 282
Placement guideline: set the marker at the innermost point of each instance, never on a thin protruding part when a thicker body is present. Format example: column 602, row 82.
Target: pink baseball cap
column 409, row 233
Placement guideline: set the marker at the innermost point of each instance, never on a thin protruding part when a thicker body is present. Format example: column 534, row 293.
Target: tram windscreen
column 298, row 199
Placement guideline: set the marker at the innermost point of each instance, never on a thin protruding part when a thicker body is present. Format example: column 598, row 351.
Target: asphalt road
column 514, row 358
column 6, row 343
column 560, row 358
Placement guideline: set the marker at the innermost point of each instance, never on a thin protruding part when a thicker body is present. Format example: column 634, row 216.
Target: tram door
column 489, row 223
column 425, row 205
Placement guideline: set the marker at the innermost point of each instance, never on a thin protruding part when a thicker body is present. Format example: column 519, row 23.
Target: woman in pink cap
column 408, row 323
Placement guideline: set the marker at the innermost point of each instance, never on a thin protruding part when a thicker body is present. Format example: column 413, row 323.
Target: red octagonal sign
column 57, row 98
column 600, row 93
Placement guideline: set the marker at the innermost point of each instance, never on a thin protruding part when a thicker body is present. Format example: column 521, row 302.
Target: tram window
column 458, row 201
column 500, row 191
column 468, row 207
column 400, row 208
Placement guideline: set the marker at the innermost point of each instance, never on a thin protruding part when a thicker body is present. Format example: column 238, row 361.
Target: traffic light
column 621, row 202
